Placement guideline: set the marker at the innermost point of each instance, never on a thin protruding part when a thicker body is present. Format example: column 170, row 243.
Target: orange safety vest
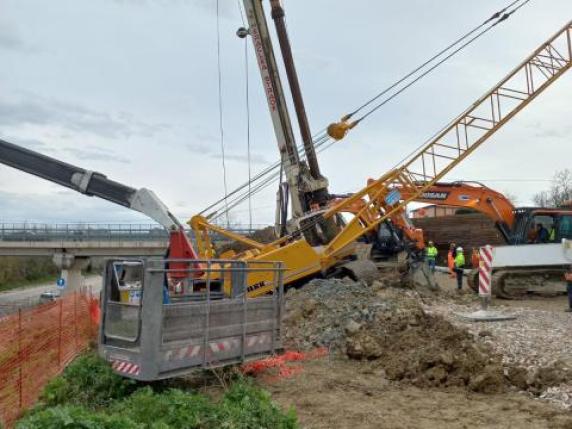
column 450, row 261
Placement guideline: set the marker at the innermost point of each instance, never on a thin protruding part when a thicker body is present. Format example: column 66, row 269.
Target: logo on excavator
column 435, row 195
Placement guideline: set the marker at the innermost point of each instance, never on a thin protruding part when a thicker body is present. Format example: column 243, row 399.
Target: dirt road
column 30, row 295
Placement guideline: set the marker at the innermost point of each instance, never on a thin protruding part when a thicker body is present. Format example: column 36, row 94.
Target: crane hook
column 338, row 130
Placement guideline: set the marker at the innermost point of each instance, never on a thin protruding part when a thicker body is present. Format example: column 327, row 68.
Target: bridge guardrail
column 22, row 232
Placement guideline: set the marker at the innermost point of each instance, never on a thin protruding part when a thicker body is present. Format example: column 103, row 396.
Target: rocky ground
column 397, row 350
column 536, row 347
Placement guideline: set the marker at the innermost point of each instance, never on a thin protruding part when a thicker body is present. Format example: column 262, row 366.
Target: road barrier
column 485, row 272
column 36, row 344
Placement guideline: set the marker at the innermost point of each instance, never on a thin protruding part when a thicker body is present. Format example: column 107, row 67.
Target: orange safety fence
column 37, row 343
column 280, row 364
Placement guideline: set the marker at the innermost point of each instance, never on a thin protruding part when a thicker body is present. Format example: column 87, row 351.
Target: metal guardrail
column 25, row 232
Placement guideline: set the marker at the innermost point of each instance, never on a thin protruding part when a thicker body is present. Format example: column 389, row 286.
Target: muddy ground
column 348, row 394
column 398, row 357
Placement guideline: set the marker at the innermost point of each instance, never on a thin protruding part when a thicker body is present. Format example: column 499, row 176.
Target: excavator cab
column 556, row 221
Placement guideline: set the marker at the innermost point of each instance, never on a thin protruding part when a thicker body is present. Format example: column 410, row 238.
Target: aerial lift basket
column 180, row 323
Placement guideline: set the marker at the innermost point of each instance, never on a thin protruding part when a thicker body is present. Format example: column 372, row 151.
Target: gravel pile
column 323, row 311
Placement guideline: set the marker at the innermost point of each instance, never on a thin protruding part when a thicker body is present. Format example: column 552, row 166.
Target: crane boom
column 457, row 141
column 87, row 182
column 386, row 198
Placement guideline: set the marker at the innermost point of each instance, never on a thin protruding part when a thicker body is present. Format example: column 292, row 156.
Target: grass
column 16, row 284
column 89, row 395
column 19, row 271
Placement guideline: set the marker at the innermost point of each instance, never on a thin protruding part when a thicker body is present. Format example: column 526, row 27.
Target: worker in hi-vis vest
column 451, row 259
column 552, row 234
column 459, row 266
column 431, row 253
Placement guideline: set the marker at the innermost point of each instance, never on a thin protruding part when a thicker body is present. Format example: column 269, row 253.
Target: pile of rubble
column 387, row 326
column 536, row 348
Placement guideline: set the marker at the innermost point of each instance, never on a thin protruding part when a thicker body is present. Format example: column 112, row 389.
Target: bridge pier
column 71, row 267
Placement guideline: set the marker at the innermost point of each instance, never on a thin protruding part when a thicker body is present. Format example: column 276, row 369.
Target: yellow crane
column 383, row 199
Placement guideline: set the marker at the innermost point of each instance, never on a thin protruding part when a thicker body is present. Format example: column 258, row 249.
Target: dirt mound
column 388, row 326
column 540, row 379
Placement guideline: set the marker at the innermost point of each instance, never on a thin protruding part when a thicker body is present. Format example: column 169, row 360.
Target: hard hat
column 459, row 249
column 430, row 242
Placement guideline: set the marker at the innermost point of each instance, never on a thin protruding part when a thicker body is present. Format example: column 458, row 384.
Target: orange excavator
column 531, row 261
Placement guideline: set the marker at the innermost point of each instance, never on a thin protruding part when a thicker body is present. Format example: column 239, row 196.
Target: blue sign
column 61, row 282
column 393, row 197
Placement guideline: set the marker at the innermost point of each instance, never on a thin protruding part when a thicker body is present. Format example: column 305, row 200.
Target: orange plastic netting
column 37, row 343
column 279, row 365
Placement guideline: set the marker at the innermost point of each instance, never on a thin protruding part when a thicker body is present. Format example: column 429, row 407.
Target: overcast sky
column 129, row 88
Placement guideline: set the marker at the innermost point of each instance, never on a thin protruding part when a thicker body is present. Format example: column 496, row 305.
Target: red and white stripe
column 183, row 353
column 485, row 270
column 224, row 346
column 257, row 339
column 125, row 367
column 192, row 351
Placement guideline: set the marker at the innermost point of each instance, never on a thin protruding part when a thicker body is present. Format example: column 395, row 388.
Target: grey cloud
column 213, row 151
column 95, row 154
column 31, row 109
column 28, row 143
column 63, row 207
column 228, row 9
column 254, row 158
column 561, row 133
column 11, row 42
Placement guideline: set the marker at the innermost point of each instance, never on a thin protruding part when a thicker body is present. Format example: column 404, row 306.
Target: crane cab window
column 550, row 228
column 124, row 294
column 564, row 229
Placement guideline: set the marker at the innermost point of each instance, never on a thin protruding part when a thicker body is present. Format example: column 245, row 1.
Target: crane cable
column 340, row 129
column 263, row 184
column 220, row 111
column 322, row 138
column 318, row 141
column 502, row 17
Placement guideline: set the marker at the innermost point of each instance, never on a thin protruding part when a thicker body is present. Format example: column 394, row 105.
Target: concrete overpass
column 82, row 240
column 84, row 248
column 71, row 245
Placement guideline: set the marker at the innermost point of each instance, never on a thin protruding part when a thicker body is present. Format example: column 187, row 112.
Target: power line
column 220, row 106
column 267, row 177
column 500, row 16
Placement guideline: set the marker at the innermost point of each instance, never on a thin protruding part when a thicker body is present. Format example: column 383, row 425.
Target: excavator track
column 516, row 284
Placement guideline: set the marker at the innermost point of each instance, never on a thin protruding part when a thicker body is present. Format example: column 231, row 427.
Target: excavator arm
column 96, row 184
column 475, row 196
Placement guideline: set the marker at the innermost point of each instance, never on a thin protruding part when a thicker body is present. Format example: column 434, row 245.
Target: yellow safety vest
column 432, row 252
column 459, row 260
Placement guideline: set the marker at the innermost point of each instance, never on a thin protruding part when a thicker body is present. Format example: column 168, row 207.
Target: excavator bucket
column 419, row 275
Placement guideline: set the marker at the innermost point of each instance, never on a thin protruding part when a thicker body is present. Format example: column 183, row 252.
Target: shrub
column 89, row 395
column 247, row 406
column 172, row 408
column 87, row 381
column 73, row 417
